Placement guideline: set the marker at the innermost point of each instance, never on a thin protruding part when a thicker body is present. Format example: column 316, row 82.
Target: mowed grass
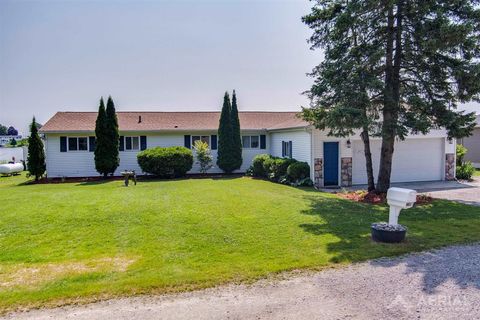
column 477, row 173
column 62, row 243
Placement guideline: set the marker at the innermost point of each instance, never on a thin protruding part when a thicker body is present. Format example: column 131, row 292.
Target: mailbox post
column 397, row 199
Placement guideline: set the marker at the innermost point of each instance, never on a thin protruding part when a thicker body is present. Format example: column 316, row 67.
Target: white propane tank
column 10, row 168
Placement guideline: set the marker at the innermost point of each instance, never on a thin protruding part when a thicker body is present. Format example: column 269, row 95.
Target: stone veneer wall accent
column 346, row 171
column 318, row 172
column 449, row 166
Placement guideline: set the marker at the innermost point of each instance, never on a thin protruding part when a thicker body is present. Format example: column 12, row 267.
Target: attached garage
column 415, row 159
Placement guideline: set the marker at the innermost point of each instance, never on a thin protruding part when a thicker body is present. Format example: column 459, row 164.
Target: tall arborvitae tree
column 425, row 54
column 236, row 137
column 113, row 136
column 101, row 141
column 226, row 158
column 36, row 154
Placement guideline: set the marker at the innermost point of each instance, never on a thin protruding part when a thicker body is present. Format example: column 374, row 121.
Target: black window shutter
column 283, row 148
column 121, row 146
column 91, row 143
column 187, row 141
column 213, row 139
column 143, row 142
column 290, row 149
column 63, row 144
column 263, row 141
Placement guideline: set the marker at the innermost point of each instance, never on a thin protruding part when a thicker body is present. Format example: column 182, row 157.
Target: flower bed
column 378, row 198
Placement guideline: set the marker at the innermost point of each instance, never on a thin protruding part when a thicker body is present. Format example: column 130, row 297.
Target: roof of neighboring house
column 172, row 121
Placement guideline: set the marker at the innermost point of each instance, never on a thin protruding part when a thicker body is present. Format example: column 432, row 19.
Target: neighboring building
column 4, row 140
column 472, row 143
column 69, row 139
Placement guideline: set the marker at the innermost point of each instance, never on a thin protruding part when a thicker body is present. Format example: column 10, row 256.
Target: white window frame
column 125, row 143
column 250, row 141
column 192, row 143
column 78, row 144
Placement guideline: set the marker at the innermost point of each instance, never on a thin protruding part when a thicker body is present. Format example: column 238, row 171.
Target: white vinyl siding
column 81, row 164
column 301, row 144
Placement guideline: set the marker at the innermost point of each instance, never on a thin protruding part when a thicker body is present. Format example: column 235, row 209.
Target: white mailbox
column 398, row 199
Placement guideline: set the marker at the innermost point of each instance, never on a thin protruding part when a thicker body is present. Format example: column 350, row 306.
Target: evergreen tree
column 423, row 53
column 11, row 131
column 226, row 158
column 36, row 154
column 13, row 142
column 3, row 130
column 236, row 137
column 101, row 141
column 113, row 135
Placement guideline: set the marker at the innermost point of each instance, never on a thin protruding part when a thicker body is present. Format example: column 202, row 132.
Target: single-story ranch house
column 333, row 161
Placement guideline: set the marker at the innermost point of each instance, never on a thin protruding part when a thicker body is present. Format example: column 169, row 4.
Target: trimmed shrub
column 257, row 168
column 305, row 182
column 465, row 171
column 277, row 167
column 166, row 162
column 298, row 171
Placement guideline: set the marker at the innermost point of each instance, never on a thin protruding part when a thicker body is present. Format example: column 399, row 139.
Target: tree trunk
column 368, row 159
column 392, row 96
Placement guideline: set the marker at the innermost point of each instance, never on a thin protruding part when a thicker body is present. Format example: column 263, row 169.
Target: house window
column 287, row 149
column 251, row 142
column 132, row 143
column 205, row 139
column 83, row 143
column 77, row 143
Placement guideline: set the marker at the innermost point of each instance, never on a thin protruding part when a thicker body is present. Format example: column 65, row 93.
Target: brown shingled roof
column 172, row 121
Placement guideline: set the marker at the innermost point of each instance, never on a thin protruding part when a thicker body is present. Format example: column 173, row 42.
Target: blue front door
column 330, row 167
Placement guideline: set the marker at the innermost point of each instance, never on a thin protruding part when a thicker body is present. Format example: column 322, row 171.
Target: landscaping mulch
column 377, row 198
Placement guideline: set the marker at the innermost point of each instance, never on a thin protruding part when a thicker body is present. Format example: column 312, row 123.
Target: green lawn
column 477, row 172
column 68, row 242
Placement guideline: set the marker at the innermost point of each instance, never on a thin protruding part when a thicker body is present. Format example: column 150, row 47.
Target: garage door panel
column 413, row 160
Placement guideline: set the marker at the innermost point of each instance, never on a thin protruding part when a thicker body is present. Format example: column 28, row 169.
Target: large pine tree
column 226, row 154
column 36, row 154
column 236, row 136
column 424, row 54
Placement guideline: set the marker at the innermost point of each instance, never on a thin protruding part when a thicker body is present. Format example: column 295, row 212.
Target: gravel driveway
column 470, row 194
column 441, row 284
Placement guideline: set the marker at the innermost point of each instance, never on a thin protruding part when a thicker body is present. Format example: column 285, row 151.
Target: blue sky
column 151, row 55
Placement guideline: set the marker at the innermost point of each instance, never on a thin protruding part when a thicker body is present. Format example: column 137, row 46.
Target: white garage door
column 413, row 160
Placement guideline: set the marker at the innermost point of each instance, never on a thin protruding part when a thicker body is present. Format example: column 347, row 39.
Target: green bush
column 298, row 171
column 257, row 169
column 275, row 167
column 166, row 162
column 465, row 171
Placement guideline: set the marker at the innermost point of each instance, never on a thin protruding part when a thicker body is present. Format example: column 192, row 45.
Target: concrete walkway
column 442, row 284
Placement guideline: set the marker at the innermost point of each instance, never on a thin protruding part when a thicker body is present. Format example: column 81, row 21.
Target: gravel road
column 440, row 284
